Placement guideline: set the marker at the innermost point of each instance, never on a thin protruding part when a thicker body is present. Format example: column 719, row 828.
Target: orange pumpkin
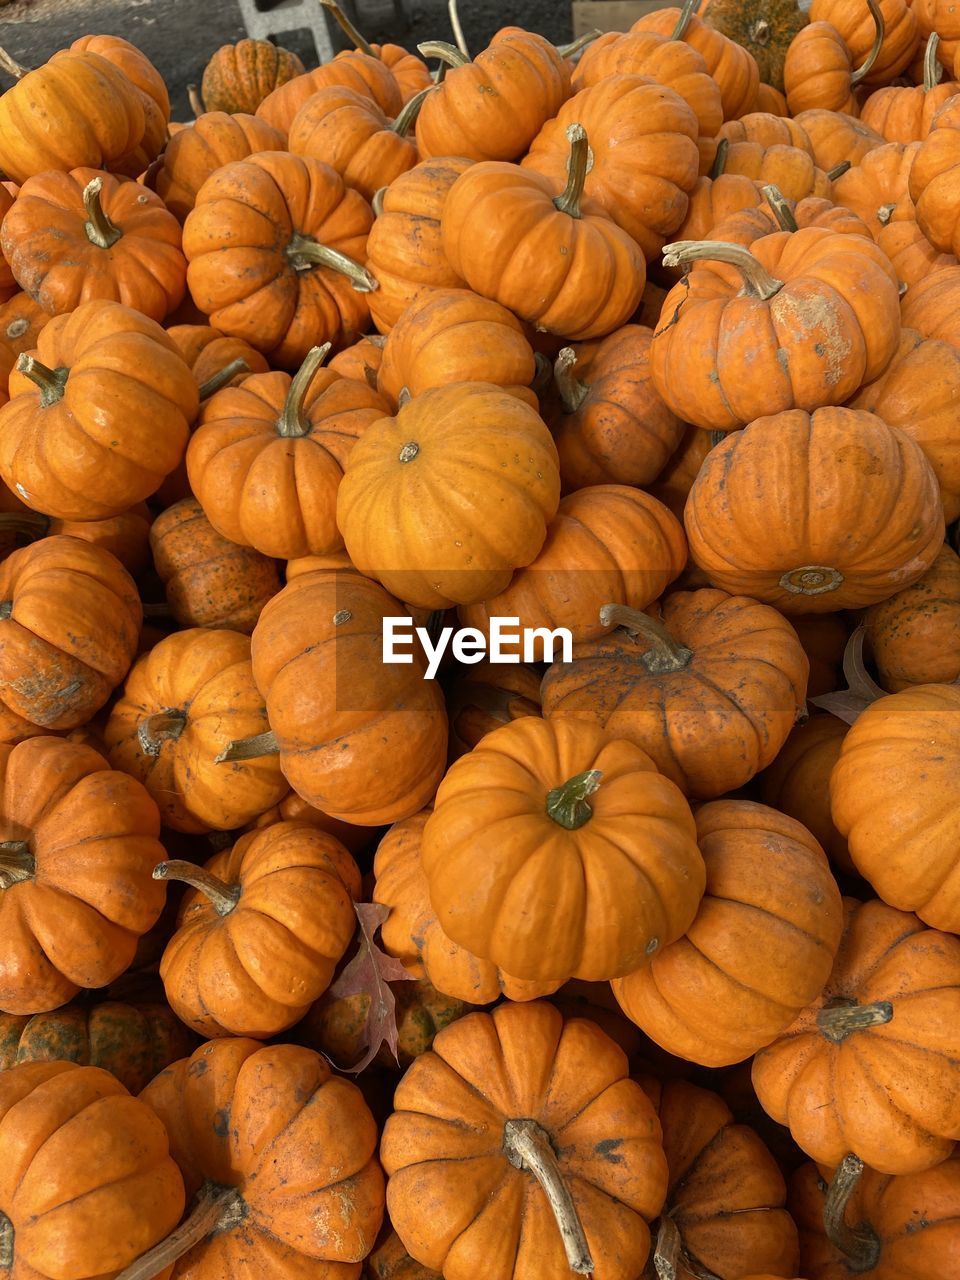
column 306, row 234
column 80, row 841
column 940, row 16
column 837, row 137
column 790, row 168
column 767, row 131
column 905, row 114
column 470, row 439
column 53, row 1115
column 410, row 72
column 8, row 285
column 866, row 1067
column 710, row 694
column 712, row 201
column 819, row 69
column 643, row 149
column 98, row 415
column 672, row 486
column 810, row 558
column 413, row 934
column 71, row 237
column 21, row 320
column 239, row 76
column 545, row 251
column 267, row 457
column 485, row 696
column 361, row 361
column 858, row 30
column 607, row 544
column 932, row 305
column 148, row 84
column 125, row 536
column 915, row 635
column 534, row 1105
column 755, row 955
column 405, row 246
column 558, row 792
column 877, row 188
column 357, row 70
column 360, row 740
column 798, row 782
column 811, row 315
column 935, row 179
column 197, row 150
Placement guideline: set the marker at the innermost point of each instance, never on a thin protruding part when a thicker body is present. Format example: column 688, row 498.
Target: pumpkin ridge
column 883, row 1091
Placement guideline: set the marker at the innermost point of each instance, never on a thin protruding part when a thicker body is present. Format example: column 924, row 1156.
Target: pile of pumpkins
column 640, row 961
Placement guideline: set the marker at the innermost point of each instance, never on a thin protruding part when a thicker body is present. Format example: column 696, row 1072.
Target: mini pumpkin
column 487, row 695
column 858, row 30
column 80, row 840
column 881, row 1017
column 915, row 635
column 756, row 954
column 239, row 76
column 819, row 70
column 877, row 189
column 672, row 486
column 931, row 305
column 837, row 137
column 798, row 782
column 905, row 113
column 810, row 559
column 197, row 150
column 125, row 536
column 790, row 168
column 216, row 359
column 935, row 179
column 763, row 29
column 355, row 69
column 410, row 72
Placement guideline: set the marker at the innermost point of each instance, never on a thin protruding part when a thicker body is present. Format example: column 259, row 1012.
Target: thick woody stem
column 50, row 381
column 454, row 13
column 223, row 897
column 757, row 280
column 11, row 66
column 577, row 166
column 163, row 726
column 867, row 65
column 527, row 1146
column 264, row 744
column 571, row 390
column 842, row 1018
column 664, row 654
column 217, row 1209
column 16, row 863
column 568, row 805
column 860, row 1245
column 932, row 70
column 349, row 30
column 686, row 13
column 719, row 159
column 100, row 230
column 448, row 53
column 304, row 253
column 666, row 1258
column 220, row 380
column 780, row 207
column 838, row 170
column 408, row 115
column 292, row 423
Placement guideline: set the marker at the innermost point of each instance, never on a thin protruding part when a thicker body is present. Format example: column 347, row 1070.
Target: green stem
column 838, row 170
column 292, row 423
column 223, row 897
column 932, row 70
column 448, row 53
column 588, row 37
column 527, row 1146
column 50, row 381
column 840, row 1019
column 263, row 744
column 686, row 13
column 100, row 230
column 349, row 30
column 571, row 390
column 408, row 115
column 163, row 726
column 874, row 53
column 304, row 253
column 220, row 380
column 568, row 805
column 860, row 1245
column 217, row 1209
column 16, row 863
column 664, row 653
column 757, row 280
column 577, row 165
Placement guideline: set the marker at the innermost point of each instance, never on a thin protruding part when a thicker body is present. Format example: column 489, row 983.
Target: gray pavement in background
column 180, row 35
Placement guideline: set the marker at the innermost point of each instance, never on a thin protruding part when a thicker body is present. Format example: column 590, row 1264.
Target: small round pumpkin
column 710, row 694
column 757, row 952
column 470, row 439
column 866, row 1068
column 935, row 179
column 810, row 559
column 837, row 137
column 858, row 30
column 485, row 696
column 672, row 486
column 239, row 76
column 210, row 354
column 915, row 635
column 905, row 113
column 932, row 305
column 819, row 69
column 357, row 70
column 798, row 782
column 791, row 168
column 877, row 187
column 763, row 29
column 197, row 150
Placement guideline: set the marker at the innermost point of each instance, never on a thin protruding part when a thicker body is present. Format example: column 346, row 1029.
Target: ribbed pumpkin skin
column 311, row 1194
column 836, row 136
column 194, row 152
column 872, row 524
column 798, row 782
column 756, row 954
column 726, row 1194
column 354, row 69
column 472, row 439
column 363, row 741
column 67, row 925
column 932, row 305
column 817, row 71
column 491, row 832
column 905, row 114
column 789, row 167
column 239, row 76
column 131, row 1041
column 907, row 739
column 901, row 37
column 521, row 1061
column 413, row 934
column 65, row 1215
column 764, row 29
column 711, row 725
column 935, row 180
column 915, row 635
column 733, row 67
column 888, row 1092
column 877, row 188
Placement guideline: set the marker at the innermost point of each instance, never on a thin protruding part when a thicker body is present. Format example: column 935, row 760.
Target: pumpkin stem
column 719, row 159
column 862, row 689
column 527, row 1146
column 6, row 1243
column 376, row 204
column 811, row 580
column 780, row 207
column 292, row 424
column 885, row 213
column 216, row 1209
column 932, row 70
column 454, row 14
column 571, row 390
column 408, row 451
column 838, row 170
column 867, row 66
column 757, row 280
column 568, row 804
column 841, row 1018
column 162, row 726
column 577, row 167
column 666, row 1258
column 581, row 42
column 263, row 744
column 683, row 21
column 220, row 380
column 50, row 381
column 407, row 118
column 16, row 862
column 12, row 66
column 223, row 897
column 761, row 32
column 664, row 655
column 304, row 253
column 6, row 610
column 196, row 102
column 448, row 53
column 859, row 1244
column 100, row 230
column 349, row 30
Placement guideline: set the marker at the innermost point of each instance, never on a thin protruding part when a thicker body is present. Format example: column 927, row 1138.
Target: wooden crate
column 611, row 15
